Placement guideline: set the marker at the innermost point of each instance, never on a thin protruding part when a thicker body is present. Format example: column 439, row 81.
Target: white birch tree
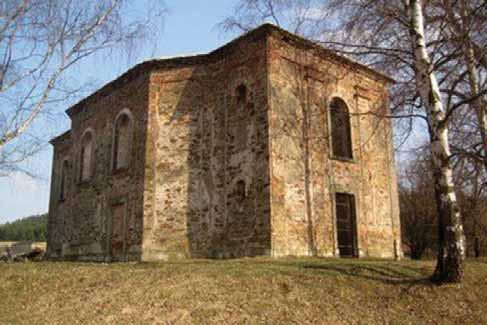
column 451, row 245
column 40, row 42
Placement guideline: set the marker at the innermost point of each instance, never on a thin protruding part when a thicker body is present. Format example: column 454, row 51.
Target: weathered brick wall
column 212, row 175
column 85, row 221
column 304, row 178
column 58, row 210
column 201, row 144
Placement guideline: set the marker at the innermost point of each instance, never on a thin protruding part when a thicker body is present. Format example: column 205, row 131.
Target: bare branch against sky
column 41, row 41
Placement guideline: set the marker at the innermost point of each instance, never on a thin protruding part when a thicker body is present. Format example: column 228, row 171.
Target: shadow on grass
column 408, row 274
column 386, row 274
column 481, row 260
column 378, row 270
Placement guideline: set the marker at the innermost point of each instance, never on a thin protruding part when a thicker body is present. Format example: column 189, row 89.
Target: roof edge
column 62, row 137
column 331, row 53
column 178, row 61
column 134, row 72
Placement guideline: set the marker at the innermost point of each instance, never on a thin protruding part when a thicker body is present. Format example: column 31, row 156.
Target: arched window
column 341, row 139
column 63, row 185
column 241, row 94
column 122, row 141
column 86, row 156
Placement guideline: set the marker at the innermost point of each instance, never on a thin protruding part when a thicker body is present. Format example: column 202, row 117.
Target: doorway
column 346, row 224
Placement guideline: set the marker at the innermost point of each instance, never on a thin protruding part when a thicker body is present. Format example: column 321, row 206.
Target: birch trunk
column 451, row 239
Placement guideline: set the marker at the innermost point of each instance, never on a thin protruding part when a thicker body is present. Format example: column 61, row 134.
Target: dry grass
column 239, row 291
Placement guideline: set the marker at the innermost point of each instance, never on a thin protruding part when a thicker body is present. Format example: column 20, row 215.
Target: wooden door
column 118, row 233
column 346, row 225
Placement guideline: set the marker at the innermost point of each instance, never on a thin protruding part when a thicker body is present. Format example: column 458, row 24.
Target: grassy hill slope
column 239, row 291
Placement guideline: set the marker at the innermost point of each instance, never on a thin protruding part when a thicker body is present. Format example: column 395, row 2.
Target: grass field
column 239, row 291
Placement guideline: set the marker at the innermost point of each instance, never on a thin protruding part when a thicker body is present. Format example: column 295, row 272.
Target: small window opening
column 64, row 181
column 241, row 94
column 241, row 190
column 86, row 156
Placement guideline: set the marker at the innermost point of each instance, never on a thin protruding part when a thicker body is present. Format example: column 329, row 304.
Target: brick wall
column 304, row 177
column 230, row 156
column 207, row 183
column 83, row 225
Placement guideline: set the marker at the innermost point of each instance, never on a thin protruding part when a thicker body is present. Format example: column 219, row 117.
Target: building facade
column 270, row 145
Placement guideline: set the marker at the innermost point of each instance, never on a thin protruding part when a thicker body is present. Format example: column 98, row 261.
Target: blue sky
column 190, row 27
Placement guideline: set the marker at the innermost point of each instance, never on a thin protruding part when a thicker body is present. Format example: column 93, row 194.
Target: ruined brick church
column 270, row 145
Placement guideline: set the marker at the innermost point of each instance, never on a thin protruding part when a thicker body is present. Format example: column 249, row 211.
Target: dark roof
column 62, row 137
column 174, row 62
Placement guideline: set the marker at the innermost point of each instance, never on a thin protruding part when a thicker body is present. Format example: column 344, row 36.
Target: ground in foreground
column 239, row 291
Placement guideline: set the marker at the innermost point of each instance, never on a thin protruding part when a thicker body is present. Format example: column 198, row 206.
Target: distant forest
column 30, row 228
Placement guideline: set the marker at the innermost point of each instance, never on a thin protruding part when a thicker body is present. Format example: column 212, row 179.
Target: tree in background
column 418, row 211
column 32, row 228
column 40, row 42
column 416, row 199
column 466, row 26
column 471, row 186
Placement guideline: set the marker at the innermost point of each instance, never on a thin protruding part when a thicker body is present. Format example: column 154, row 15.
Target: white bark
column 453, row 252
column 69, row 58
column 40, row 41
